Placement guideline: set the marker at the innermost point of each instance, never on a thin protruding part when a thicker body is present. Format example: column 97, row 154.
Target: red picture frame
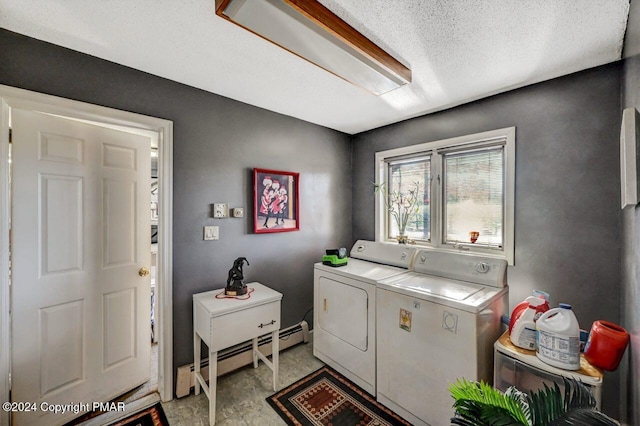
column 276, row 201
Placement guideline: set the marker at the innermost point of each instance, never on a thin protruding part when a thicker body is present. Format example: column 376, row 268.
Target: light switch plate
column 220, row 210
column 211, row 233
column 238, row 212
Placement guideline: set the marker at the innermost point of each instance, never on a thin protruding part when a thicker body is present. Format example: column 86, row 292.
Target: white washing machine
column 437, row 324
column 344, row 334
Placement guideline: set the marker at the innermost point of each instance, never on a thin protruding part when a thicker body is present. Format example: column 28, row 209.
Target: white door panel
column 345, row 333
column 81, row 232
column 344, row 312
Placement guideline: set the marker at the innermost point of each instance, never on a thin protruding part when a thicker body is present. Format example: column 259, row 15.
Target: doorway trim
column 11, row 97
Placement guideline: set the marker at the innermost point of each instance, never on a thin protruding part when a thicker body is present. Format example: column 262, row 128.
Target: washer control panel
column 482, row 267
column 462, row 266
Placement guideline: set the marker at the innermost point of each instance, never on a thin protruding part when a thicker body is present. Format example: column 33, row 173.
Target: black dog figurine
column 235, row 283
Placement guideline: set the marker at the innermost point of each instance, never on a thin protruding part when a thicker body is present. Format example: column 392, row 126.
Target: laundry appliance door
column 344, row 326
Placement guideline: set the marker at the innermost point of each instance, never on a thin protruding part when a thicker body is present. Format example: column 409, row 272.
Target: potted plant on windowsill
column 479, row 404
column 401, row 205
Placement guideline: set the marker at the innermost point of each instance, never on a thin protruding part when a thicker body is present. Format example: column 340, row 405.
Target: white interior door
column 80, row 236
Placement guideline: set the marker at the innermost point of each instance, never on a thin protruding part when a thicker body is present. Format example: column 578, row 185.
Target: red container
column 606, row 345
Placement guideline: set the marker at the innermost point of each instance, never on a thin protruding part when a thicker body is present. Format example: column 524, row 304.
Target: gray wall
column 567, row 215
column 630, row 292
column 567, row 187
column 217, row 142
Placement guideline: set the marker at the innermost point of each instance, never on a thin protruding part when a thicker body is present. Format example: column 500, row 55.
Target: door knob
column 143, row 272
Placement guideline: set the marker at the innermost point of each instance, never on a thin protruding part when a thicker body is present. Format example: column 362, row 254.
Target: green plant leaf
column 474, row 400
column 577, row 395
column 463, row 422
column 584, row 417
column 481, row 414
column 478, row 404
column 522, row 399
column 546, row 405
column 575, row 406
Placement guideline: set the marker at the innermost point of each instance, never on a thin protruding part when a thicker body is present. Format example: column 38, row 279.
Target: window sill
column 465, row 249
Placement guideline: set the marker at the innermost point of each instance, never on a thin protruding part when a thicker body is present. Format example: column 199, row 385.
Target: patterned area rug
column 152, row 416
column 327, row 398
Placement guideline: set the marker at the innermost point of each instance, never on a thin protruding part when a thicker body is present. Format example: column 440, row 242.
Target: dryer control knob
column 482, row 267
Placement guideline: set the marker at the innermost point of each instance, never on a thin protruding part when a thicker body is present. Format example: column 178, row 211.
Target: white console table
column 224, row 322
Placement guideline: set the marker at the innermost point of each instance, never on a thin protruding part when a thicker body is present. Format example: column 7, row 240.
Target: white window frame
column 505, row 137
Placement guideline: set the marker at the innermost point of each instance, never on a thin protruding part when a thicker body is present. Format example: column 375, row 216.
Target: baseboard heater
column 240, row 355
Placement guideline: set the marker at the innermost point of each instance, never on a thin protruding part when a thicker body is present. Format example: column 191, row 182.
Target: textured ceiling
column 458, row 50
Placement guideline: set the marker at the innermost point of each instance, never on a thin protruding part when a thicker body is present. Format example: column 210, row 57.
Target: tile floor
column 241, row 394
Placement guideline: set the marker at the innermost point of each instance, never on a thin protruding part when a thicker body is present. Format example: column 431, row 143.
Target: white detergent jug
column 559, row 338
column 523, row 333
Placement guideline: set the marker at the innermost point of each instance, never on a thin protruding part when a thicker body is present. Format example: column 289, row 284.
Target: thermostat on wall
column 220, row 210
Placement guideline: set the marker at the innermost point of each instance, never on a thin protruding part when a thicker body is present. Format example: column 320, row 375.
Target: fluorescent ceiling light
column 311, row 31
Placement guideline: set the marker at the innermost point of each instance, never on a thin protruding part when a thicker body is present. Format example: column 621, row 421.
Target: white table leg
column 254, row 352
column 213, row 375
column 275, row 354
column 197, row 341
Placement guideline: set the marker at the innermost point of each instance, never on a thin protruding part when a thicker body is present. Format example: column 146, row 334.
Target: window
column 463, row 185
column 414, row 173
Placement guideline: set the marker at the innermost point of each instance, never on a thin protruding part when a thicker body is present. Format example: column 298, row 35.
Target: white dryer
column 344, row 334
column 436, row 324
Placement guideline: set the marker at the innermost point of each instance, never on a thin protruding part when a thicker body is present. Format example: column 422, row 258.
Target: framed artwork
column 276, row 205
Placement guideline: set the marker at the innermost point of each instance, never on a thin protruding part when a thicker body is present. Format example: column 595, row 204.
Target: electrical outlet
column 211, row 233
column 238, row 212
column 220, row 210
